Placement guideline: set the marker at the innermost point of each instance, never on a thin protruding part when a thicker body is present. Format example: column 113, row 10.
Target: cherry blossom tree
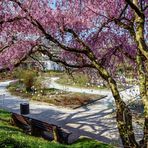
column 96, row 34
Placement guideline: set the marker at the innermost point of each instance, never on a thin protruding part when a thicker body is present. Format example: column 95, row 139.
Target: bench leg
column 55, row 134
column 36, row 131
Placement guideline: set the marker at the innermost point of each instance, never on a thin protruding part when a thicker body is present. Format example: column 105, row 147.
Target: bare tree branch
column 125, row 26
column 3, row 48
column 40, row 63
column 145, row 7
column 135, row 8
column 126, row 54
column 97, row 13
column 123, row 11
column 11, row 20
column 57, row 59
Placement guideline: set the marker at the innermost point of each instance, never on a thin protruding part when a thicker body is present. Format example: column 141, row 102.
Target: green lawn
column 13, row 137
column 78, row 80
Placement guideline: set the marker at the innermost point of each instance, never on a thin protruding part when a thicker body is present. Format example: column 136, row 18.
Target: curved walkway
column 51, row 82
column 126, row 94
column 95, row 121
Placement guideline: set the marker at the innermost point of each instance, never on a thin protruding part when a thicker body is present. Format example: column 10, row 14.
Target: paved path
column 52, row 84
column 95, row 120
column 127, row 94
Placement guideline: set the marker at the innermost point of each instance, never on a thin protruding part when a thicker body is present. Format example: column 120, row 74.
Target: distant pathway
column 51, row 82
column 95, row 120
column 125, row 94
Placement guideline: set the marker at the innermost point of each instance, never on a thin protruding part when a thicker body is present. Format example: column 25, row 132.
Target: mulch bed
column 58, row 97
column 74, row 100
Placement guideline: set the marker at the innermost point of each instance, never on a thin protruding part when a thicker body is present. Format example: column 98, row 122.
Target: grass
column 77, row 79
column 81, row 80
column 13, row 137
column 53, row 73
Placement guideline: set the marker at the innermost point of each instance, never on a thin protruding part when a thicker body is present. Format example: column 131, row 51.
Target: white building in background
column 49, row 65
column 42, row 64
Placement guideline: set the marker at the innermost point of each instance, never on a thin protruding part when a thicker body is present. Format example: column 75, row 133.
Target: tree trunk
column 142, row 71
column 144, row 141
column 124, row 118
column 139, row 27
column 143, row 76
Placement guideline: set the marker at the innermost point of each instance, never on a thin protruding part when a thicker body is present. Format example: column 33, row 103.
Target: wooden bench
column 48, row 131
column 40, row 129
column 22, row 122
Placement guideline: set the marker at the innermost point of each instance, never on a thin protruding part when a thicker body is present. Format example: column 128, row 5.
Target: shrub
column 28, row 77
column 17, row 73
